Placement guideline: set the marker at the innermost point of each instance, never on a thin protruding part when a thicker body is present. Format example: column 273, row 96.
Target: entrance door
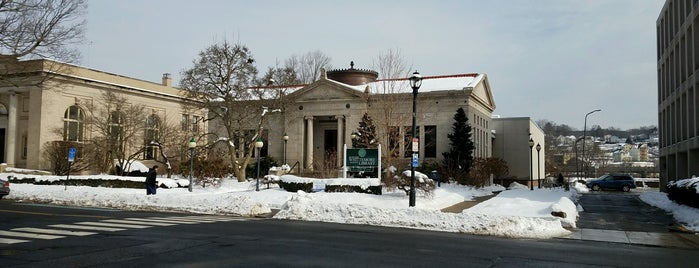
column 330, row 146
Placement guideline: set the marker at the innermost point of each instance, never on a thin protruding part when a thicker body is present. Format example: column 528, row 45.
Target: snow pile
column 688, row 216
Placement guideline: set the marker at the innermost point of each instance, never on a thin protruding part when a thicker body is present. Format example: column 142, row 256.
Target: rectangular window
column 195, row 123
column 394, row 141
column 24, row 146
column 430, row 141
column 185, row 122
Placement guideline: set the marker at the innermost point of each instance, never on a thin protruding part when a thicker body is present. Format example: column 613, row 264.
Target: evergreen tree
column 365, row 136
column 458, row 160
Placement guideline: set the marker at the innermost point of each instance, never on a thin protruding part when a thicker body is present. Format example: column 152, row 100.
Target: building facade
column 42, row 101
column 526, row 165
column 45, row 101
column 319, row 118
column 677, row 29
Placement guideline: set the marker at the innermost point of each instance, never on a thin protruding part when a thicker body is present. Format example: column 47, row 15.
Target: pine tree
column 365, row 136
column 458, row 160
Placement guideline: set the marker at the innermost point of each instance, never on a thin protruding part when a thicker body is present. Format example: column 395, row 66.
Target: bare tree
column 307, row 66
column 37, row 29
column 169, row 140
column 41, row 29
column 118, row 126
column 219, row 80
column 389, row 117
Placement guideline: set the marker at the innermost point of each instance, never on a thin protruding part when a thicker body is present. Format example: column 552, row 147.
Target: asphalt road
column 223, row 241
column 616, row 210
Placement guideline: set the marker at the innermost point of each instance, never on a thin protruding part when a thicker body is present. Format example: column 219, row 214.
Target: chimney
column 167, row 80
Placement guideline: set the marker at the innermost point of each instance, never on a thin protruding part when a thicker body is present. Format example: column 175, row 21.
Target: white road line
column 184, row 220
column 52, row 231
column 83, row 227
column 138, row 222
column 11, row 241
column 113, row 225
column 164, row 221
column 30, row 235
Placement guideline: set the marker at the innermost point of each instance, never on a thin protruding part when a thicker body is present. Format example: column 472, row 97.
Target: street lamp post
column 538, row 164
column 258, row 145
column 531, row 170
column 415, row 83
column 584, row 169
column 286, row 139
column 192, row 144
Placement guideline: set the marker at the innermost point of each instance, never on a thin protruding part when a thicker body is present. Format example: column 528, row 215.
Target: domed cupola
column 352, row 76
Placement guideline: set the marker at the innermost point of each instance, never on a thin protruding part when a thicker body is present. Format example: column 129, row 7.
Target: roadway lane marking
column 30, row 235
column 83, row 227
column 184, row 220
column 116, row 225
column 54, row 214
column 163, row 221
column 138, row 222
column 52, row 231
column 11, row 241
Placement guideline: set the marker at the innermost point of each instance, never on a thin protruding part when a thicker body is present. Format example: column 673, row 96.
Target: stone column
column 309, row 142
column 340, row 140
column 11, row 133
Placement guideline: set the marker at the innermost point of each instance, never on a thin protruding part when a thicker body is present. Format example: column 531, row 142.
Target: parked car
column 612, row 181
column 4, row 188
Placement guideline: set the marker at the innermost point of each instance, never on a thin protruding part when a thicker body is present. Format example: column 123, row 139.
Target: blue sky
column 546, row 59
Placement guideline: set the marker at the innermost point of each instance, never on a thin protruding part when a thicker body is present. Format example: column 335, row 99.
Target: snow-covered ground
column 516, row 212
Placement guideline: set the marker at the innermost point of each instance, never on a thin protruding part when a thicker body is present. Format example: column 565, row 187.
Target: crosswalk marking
column 83, row 227
column 53, row 231
column 138, row 222
column 30, row 235
column 164, row 221
column 105, row 224
column 184, row 220
column 108, row 225
column 11, row 241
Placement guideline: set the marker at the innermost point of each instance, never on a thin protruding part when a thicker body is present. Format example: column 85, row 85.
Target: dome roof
column 352, row 76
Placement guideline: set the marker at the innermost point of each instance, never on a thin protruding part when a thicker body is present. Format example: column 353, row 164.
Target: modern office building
column 678, row 89
column 526, row 165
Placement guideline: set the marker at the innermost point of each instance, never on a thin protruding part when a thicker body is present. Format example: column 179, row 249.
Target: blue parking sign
column 414, row 162
column 71, row 154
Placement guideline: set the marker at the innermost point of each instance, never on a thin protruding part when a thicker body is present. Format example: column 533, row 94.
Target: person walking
column 150, row 180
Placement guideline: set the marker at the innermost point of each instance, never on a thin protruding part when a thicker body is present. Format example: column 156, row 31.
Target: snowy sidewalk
column 458, row 208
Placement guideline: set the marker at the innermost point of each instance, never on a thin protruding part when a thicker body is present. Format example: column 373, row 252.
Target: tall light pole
column 577, row 166
column 531, row 170
column 415, row 83
column 192, row 144
column 538, row 164
column 258, row 145
column 585, row 140
column 286, row 139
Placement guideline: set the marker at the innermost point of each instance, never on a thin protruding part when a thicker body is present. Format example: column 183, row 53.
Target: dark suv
column 612, row 181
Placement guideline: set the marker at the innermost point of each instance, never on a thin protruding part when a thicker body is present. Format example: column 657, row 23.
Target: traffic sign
column 71, row 154
column 414, row 162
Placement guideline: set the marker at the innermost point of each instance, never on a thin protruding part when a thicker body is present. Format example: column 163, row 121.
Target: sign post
column 71, row 159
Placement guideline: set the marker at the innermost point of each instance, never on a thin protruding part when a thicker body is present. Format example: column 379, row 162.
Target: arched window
column 73, row 124
column 152, row 137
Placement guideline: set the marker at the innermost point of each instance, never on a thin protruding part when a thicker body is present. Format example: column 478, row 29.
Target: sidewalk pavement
column 459, row 207
column 667, row 240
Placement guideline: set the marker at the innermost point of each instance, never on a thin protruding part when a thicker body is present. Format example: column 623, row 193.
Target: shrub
column 296, row 186
column 353, row 189
column 684, row 192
